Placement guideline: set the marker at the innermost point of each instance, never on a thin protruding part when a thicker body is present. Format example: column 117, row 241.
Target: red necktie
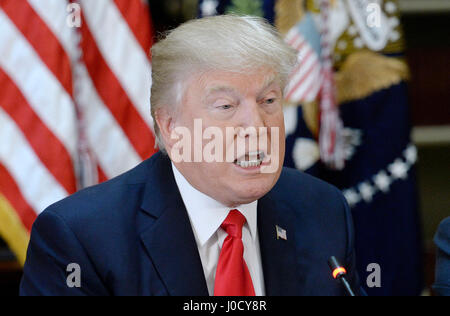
column 232, row 275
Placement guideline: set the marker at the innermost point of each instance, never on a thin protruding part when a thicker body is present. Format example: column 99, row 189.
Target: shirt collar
column 206, row 214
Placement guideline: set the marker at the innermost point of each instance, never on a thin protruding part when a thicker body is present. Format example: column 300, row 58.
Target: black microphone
column 339, row 273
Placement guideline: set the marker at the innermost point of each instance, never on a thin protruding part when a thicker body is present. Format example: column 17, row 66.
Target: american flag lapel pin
column 281, row 233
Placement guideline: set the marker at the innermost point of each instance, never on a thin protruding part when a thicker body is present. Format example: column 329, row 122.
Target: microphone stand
column 339, row 273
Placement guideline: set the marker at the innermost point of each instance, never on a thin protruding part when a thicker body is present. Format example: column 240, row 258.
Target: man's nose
column 251, row 129
column 252, row 116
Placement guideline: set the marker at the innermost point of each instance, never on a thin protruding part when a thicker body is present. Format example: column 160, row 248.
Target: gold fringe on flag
column 12, row 230
column 311, row 116
column 365, row 72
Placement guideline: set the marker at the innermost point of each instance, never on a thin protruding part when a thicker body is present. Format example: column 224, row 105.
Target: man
column 214, row 213
column 442, row 240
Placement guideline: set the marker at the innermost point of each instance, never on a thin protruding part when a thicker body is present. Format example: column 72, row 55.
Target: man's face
column 247, row 111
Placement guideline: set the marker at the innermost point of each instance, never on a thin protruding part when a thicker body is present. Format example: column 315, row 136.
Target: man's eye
column 225, row 107
column 270, row 101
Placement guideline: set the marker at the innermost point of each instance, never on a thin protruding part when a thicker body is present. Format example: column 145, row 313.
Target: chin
column 249, row 191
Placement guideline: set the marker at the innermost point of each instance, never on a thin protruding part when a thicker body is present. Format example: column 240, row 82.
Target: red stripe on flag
column 309, row 87
column 12, row 192
column 137, row 16
column 293, row 39
column 302, row 80
column 45, row 144
column 42, row 39
column 300, row 65
column 300, row 45
column 305, row 75
column 101, row 175
column 115, row 97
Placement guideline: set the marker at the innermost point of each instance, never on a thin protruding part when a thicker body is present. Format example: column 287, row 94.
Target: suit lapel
column 168, row 238
column 278, row 256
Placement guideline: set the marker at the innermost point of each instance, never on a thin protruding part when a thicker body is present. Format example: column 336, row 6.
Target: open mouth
column 250, row 160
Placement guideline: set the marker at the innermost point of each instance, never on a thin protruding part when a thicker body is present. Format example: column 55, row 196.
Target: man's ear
column 165, row 120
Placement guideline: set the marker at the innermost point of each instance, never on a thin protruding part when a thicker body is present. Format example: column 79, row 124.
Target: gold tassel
column 365, row 72
column 311, row 116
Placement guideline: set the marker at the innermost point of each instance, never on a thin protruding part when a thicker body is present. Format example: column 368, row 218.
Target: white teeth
column 252, row 156
column 247, row 164
column 256, row 157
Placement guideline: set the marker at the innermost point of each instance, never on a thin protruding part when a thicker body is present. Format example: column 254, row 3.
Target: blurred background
column 74, row 111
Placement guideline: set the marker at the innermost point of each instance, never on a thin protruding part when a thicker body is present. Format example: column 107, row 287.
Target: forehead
column 220, row 81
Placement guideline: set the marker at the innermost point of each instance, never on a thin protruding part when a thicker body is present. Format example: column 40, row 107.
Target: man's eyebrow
column 221, row 89
column 227, row 89
column 218, row 89
column 267, row 83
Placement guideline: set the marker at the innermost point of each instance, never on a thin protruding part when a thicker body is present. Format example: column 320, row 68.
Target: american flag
column 313, row 79
column 74, row 102
column 305, row 80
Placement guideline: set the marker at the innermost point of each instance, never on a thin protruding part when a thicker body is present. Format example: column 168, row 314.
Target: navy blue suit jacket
column 442, row 241
column 132, row 236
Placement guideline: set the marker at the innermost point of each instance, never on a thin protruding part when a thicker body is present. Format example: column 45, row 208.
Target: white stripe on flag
column 306, row 58
column 293, row 36
column 131, row 66
column 303, row 69
column 37, row 184
column 297, row 42
column 107, row 140
column 308, row 83
column 42, row 90
column 53, row 13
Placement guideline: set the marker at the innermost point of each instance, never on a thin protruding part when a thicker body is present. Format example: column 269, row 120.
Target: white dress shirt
column 206, row 215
